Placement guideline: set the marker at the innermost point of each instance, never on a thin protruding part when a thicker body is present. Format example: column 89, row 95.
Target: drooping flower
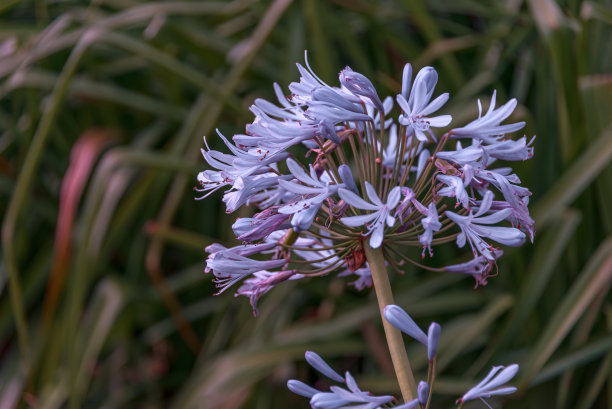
column 476, row 226
column 479, row 267
column 431, row 224
column 261, row 282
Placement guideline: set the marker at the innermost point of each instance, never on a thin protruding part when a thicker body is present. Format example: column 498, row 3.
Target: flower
column 431, row 224
column 488, row 127
column 375, row 222
column 417, row 107
column 479, row 267
column 423, row 392
column 474, row 228
column 400, row 319
column 490, row 385
column 261, row 225
column 262, row 282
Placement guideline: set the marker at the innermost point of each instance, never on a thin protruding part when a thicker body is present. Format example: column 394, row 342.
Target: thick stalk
column 405, row 378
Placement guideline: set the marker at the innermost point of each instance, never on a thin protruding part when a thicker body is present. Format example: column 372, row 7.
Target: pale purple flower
column 244, row 189
column 431, row 224
column 461, row 155
column 316, row 189
column 475, row 226
column 323, row 110
column 405, row 206
column 242, row 162
column 348, row 398
column 519, row 217
column 328, row 131
column 509, row 150
column 210, row 181
column 455, row 187
column 364, row 277
column 488, row 126
column 347, row 178
column 400, row 319
column 313, row 190
column 423, row 392
column 504, row 149
column 263, row 281
column 517, row 197
column 359, row 85
column 423, row 158
column 479, row 267
column 407, row 81
column 276, row 128
column 261, row 225
column 300, row 388
column 490, row 385
column 320, row 365
column 433, row 338
column 418, row 106
column 309, row 82
column 319, row 256
column 375, row 222
column 230, row 265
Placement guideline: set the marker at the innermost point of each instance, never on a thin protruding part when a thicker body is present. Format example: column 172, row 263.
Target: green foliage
column 103, row 300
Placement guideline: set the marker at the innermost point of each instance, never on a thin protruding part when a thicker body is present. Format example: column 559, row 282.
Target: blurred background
column 103, row 105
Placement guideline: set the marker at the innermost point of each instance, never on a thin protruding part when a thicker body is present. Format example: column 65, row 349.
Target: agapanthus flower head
column 374, row 175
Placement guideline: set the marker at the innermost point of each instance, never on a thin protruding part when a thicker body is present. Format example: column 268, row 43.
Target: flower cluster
column 331, row 171
column 340, row 398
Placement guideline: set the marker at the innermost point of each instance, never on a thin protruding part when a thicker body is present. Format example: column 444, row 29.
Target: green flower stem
column 405, row 378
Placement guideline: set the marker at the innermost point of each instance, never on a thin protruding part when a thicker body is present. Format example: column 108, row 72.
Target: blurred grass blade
column 103, row 310
column 10, row 392
column 82, row 159
column 548, row 252
column 421, row 17
column 452, row 344
column 24, row 181
column 581, row 356
column 595, row 277
column 546, row 14
column 574, row 180
column 601, row 376
column 206, row 113
column 92, row 92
